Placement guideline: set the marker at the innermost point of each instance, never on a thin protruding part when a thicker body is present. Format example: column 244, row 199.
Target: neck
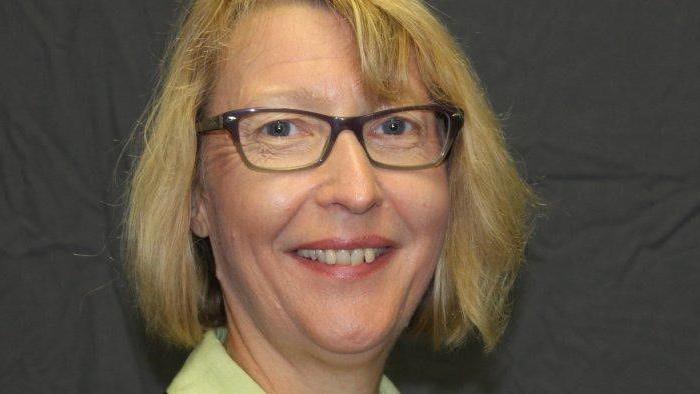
column 291, row 370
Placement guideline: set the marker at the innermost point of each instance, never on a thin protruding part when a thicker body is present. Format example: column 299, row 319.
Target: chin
column 345, row 335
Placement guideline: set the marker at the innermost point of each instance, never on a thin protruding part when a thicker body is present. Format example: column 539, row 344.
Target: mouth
column 352, row 257
column 346, row 258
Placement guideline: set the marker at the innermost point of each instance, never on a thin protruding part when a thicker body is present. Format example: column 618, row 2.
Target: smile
column 350, row 257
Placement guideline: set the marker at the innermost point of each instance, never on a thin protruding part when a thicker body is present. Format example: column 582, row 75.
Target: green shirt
column 210, row 370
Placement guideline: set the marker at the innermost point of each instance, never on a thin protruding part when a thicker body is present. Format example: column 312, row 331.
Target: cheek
column 250, row 211
column 255, row 209
column 421, row 199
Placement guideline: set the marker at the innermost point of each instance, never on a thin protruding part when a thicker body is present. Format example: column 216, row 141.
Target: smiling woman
column 317, row 176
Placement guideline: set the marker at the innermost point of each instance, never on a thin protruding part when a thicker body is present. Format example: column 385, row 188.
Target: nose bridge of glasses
column 352, row 123
column 340, row 124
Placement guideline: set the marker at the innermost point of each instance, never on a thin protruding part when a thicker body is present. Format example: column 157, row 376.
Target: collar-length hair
column 172, row 271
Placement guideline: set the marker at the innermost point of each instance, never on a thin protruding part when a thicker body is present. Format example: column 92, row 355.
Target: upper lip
column 365, row 241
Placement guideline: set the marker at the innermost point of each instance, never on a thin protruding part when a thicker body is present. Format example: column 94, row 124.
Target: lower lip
column 346, row 272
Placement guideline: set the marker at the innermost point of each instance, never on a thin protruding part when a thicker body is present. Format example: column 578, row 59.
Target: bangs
column 385, row 48
column 394, row 36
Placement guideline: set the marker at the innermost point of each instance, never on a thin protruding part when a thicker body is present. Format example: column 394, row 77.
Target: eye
column 279, row 128
column 395, row 126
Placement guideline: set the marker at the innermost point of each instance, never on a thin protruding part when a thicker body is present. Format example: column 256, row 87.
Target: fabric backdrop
column 600, row 104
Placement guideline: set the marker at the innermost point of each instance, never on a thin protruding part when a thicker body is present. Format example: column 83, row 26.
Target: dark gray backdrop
column 600, row 101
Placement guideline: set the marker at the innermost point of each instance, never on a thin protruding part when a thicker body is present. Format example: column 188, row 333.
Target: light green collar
column 209, row 369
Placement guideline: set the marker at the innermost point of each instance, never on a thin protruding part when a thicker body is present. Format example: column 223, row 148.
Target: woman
column 307, row 191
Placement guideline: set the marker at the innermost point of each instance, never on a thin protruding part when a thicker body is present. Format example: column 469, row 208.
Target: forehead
column 295, row 55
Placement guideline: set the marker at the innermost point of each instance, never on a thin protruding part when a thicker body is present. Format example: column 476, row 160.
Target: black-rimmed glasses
column 406, row 138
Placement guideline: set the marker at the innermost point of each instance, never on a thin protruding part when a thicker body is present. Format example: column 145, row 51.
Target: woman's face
column 305, row 57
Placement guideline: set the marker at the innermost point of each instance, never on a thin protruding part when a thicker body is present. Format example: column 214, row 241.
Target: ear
column 199, row 224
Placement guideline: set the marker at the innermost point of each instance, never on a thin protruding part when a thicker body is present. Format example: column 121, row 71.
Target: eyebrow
column 305, row 98
column 302, row 96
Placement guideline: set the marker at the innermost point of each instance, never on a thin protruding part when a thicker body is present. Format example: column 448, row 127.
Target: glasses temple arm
column 210, row 124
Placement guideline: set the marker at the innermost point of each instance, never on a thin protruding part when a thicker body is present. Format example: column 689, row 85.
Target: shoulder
column 387, row 387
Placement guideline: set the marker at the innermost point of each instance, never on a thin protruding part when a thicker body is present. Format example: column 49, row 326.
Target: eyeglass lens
column 282, row 140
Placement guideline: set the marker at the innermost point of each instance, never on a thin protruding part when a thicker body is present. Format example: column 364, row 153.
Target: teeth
column 369, row 255
column 330, row 257
column 342, row 256
column 357, row 256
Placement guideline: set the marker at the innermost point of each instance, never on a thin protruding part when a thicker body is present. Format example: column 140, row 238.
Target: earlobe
column 198, row 214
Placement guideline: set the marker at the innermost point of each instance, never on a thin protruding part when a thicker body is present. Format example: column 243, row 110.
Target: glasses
column 406, row 138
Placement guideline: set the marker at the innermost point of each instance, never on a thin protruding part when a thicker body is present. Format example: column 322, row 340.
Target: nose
column 349, row 179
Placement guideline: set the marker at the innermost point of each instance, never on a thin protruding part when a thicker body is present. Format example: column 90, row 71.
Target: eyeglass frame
column 229, row 121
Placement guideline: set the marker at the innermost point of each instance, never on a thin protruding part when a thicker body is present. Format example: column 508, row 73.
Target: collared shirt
column 209, row 369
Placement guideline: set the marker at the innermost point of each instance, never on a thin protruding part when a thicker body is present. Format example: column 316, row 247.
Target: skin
column 290, row 328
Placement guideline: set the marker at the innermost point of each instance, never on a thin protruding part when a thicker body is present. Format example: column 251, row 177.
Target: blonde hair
column 488, row 224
